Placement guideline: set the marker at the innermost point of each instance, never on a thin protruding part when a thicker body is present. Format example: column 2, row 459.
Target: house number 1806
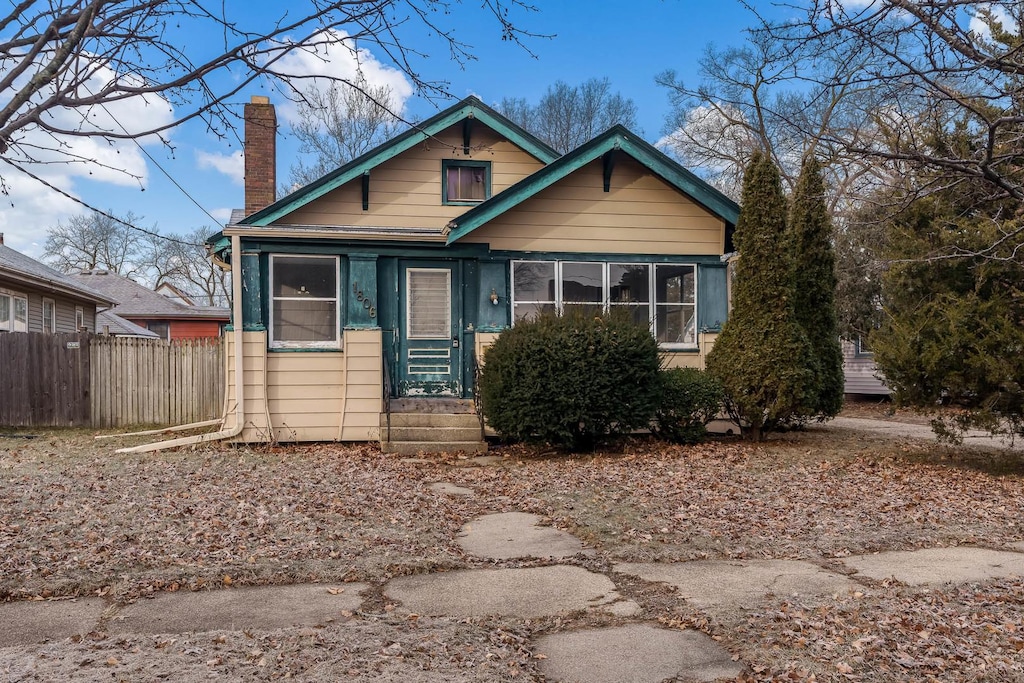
column 367, row 304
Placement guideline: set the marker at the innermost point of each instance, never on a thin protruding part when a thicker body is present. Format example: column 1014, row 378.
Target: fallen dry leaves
column 77, row 519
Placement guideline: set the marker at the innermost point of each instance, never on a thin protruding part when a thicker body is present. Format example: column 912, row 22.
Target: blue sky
column 628, row 42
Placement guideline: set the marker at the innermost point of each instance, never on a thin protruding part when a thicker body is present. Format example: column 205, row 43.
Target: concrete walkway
column 637, row 651
column 916, row 431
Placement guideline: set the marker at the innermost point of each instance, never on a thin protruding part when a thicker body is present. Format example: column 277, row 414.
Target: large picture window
column 304, row 302
column 13, row 312
column 661, row 295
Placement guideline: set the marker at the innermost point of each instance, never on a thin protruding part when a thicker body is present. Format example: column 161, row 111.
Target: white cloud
column 61, row 160
column 231, row 165
column 979, row 28
column 338, row 58
column 222, row 215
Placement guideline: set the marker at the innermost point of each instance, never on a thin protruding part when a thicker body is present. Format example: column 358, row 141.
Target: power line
column 89, row 206
column 150, row 157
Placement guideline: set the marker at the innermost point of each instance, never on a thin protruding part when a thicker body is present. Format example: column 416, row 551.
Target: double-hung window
column 465, row 182
column 49, row 316
column 304, row 302
column 13, row 312
column 79, row 318
column 660, row 295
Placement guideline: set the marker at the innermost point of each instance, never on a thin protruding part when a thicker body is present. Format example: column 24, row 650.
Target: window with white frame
column 661, row 295
column 13, row 311
column 49, row 316
column 304, row 302
column 79, row 318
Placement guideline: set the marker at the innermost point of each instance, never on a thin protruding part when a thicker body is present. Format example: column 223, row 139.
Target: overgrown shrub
column 689, row 400
column 572, row 380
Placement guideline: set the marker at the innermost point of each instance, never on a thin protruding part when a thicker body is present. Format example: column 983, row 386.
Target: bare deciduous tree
column 338, row 124
column 568, row 116
column 65, row 63
column 946, row 76
column 90, row 241
column 96, row 241
column 187, row 266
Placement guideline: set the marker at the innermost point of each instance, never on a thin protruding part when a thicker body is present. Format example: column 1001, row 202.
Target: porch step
column 463, row 421
column 417, row 447
column 432, row 425
column 434, row 433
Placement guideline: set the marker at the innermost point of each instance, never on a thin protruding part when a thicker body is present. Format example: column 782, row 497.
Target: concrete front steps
column 431, row 425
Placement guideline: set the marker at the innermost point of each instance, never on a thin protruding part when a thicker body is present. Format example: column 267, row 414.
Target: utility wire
column 89, row 206
column 155, row 162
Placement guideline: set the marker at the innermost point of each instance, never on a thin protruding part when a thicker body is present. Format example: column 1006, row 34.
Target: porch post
column 361, row 294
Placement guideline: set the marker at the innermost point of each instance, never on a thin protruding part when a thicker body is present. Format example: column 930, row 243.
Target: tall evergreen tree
column 761, row 356
column 809, row 243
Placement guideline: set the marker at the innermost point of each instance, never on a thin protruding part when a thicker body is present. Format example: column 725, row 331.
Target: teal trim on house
column 712, row 296
column 616, row 138
column 469, row 108
column 493, row 278
column 252, row 293
column 464, row 163
column 360, row 293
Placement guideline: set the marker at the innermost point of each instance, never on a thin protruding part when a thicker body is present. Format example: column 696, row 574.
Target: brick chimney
column 260, row 154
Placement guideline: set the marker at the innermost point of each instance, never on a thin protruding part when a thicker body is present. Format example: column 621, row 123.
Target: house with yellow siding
column 364, row 300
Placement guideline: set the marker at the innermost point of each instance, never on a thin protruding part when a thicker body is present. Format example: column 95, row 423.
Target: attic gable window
column 304, row 302
column 465, row 182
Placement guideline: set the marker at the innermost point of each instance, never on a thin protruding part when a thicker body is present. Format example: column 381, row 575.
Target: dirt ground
column 77, row 519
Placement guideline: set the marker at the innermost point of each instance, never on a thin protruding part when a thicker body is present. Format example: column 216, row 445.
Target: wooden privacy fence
column 44, row 379
column 86, row 380
column 147, row 381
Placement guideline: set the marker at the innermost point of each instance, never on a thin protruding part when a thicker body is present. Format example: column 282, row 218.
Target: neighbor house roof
column 470, row 108
column 25, row 270
column 109, row 322
column 615, row 139
column 137, row 301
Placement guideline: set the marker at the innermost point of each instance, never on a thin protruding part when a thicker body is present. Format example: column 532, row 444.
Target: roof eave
column 616, row 137
column 57, row 287
column 468, row 108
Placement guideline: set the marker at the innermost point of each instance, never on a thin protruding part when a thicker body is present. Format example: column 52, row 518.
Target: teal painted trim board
column 469, row 108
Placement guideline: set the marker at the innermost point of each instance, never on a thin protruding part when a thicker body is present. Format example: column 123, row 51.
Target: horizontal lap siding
column 406, row 191
column 193, row 329
column 304, row 392
column 860, row 373
column 641, row 214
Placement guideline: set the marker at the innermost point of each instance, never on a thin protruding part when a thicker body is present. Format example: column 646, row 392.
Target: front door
column 429, row 357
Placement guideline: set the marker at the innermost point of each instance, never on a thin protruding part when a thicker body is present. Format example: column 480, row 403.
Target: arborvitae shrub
column 762, row 355
column 572, row 380
column 689, row 400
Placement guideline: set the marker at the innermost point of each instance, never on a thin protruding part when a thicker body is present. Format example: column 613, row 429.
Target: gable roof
column 615, row 138
column 135, row 300
column 469, row 108
column 26, row 270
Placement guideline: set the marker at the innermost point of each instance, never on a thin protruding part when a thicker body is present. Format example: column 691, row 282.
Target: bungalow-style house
column 36, row 298
column 164, row 317
column 376, row 288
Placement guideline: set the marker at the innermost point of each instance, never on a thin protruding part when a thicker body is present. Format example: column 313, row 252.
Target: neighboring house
column 860, row 373
column 174, row 294
column 155, row 312
column 36, row 298
column 387, row 278
column 108, row 322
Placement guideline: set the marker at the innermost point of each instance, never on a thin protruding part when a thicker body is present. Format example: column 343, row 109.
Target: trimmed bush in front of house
column 572, row 380
column 688, row 401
